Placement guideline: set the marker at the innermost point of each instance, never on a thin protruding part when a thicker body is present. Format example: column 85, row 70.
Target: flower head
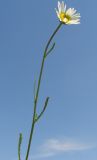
column 67, row 16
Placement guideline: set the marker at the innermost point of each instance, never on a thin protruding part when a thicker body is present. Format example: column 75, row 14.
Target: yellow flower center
column 64, row 17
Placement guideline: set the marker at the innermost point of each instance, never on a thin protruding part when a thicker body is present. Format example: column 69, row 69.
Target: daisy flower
column 67, row 16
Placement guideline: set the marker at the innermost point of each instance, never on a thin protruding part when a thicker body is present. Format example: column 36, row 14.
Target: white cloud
column 64, row 145
column 52, row 147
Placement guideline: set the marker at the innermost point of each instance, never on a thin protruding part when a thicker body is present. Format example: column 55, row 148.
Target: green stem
column 19, row 146
column 38, row 88
column 58, row 27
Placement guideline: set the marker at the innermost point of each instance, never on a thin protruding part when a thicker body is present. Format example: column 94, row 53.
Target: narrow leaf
column 51, row 49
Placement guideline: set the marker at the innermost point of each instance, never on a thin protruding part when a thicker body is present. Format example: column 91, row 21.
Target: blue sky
column 68, row 130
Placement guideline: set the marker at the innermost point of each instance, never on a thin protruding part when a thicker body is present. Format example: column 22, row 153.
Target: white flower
column 67, row 16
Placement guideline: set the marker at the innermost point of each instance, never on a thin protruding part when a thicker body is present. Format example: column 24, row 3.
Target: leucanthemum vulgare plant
column 66, row 17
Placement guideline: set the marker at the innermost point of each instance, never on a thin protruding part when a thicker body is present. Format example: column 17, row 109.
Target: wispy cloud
column 52, row 147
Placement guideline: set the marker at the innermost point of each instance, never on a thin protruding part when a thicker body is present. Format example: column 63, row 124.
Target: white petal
column 73, row 11
column 76, row 19
column 65, row 8
column 62, row 7
column 76, row 15
column 59, row 6
column 57, row 13
column 74, row 22
column 68, row 11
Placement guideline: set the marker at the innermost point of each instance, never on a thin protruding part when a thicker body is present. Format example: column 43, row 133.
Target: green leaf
column 50, row 49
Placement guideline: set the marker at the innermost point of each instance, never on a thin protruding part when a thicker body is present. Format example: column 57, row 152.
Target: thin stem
column 46, row 48
column 38, row 88
column 19, row 146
